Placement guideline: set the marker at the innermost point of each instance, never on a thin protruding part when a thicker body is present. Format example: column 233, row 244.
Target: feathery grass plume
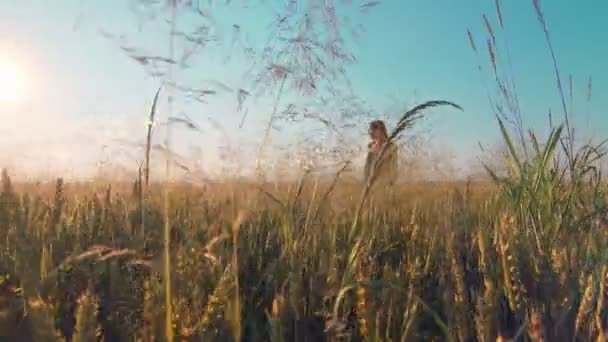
column 492, row 54
column 489, row 29
column 149, row 125
column 471, row 41
column 506, row 104
column 543, row 24
column 410, row 117
column 499, row 14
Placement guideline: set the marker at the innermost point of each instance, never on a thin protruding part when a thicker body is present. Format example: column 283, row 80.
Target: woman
column 384, row 170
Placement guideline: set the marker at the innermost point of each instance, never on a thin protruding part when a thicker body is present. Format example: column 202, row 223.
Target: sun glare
column 11, row 82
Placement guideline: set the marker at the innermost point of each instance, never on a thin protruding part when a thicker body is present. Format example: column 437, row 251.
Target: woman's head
column 377, row 130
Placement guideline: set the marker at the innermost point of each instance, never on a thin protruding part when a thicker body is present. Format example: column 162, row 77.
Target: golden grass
column 438, row 261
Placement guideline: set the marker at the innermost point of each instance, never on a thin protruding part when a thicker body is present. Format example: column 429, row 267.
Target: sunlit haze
column 12, row 81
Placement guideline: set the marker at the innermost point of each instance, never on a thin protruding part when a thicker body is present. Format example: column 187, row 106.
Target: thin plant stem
column 271, row 120
column 167, row 224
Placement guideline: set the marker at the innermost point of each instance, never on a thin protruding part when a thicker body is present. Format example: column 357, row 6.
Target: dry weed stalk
column 515, row 290
column 486, row 304
column 461, row 300
column 585, row 308
column 601, row 309
column 363, row 302
column 215, row 308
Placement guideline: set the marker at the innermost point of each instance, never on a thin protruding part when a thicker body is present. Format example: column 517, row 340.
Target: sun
column 11, row 82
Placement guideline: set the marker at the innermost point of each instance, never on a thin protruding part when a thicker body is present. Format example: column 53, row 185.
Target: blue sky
column 82, row 92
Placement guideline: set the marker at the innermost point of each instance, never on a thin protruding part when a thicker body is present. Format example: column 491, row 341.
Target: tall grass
column 461, row 261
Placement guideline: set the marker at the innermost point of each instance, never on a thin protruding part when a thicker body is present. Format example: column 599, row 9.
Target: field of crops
column 523, row 258
column 519, row 255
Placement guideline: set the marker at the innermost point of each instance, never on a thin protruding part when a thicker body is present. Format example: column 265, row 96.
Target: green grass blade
column 511, row 146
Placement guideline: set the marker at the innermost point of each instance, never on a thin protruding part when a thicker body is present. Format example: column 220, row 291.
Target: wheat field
column 520, row 258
